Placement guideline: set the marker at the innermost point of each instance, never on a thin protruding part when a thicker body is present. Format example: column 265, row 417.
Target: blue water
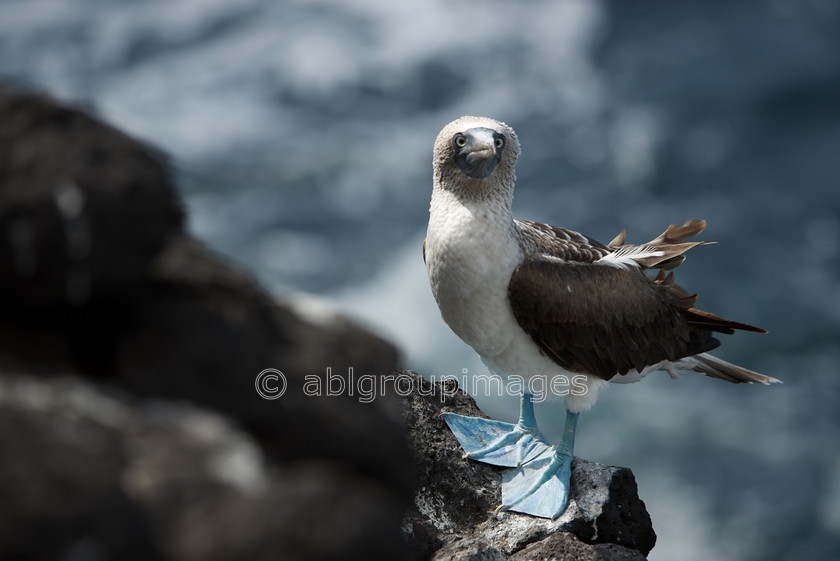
column 301, row 137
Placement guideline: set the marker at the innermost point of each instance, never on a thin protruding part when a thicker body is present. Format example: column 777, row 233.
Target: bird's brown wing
column 605, row 320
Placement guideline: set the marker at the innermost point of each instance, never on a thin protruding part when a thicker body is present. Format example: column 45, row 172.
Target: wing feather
column 561, row 243
column 663, row 252
column 603, row 320
column 592, row 309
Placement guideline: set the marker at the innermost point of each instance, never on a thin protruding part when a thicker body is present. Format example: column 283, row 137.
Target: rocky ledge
column 454, row 515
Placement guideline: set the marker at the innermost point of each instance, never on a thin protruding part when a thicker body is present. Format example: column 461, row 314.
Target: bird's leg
column 527, row 419
column 499, row 443
column 567, row 441
column 541, row 486
column 521, row 437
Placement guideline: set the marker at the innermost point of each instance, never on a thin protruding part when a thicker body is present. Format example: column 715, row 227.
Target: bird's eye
column 500, row 142
column 460, row 140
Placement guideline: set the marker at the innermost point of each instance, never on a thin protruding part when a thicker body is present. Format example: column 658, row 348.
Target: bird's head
column 473, row 154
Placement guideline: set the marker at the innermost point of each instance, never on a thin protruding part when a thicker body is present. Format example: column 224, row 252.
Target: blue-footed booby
column 540, row 300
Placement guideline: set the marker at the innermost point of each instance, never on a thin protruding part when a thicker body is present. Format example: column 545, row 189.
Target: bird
column 536, row 300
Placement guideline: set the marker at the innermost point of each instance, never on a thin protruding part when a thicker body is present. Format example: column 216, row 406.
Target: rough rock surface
column 130, row 424
column 454, row 512
column 91, row 474
column 563, row 545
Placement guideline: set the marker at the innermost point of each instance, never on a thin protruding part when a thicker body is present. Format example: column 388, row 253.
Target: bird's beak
column 479, row 157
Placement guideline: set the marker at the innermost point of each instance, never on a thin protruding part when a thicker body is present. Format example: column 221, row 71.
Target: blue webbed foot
column 540, row 487
column 495, row 442
column 539, row 482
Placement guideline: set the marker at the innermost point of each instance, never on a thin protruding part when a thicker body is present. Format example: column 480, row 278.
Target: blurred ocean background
column 301, row 133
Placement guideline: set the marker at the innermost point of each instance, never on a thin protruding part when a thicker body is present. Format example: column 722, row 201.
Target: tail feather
column 717, row 368
column 663, row 252
column 712, row 322
column 676, row 234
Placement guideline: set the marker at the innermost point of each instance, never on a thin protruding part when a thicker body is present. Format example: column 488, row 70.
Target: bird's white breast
column 471, row 253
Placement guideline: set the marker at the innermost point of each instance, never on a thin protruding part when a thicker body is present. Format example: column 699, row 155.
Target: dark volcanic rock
column 203, row 331
column 85, row 475
column 469, row 549
column 167, row 450
column 61, row 479
column 83, row 207
column 457, row 498
column 563, row 545
column 164, row 316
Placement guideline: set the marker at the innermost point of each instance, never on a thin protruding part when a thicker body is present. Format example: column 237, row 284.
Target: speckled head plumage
column 476, row 157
